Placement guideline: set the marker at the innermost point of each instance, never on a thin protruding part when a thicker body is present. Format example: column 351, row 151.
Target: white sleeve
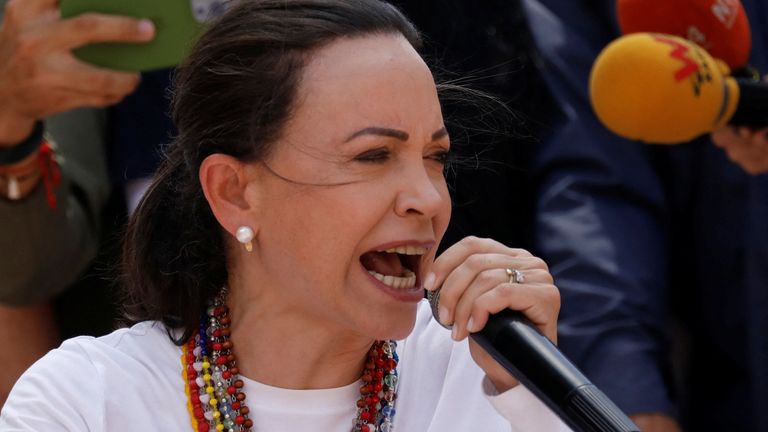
column 60, row 392
column 522, row 409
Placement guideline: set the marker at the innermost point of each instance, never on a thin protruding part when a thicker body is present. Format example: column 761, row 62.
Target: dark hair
column 233, row 95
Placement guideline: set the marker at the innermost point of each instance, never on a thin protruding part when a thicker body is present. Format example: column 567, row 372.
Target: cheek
column 324, row 225
column 443, row 216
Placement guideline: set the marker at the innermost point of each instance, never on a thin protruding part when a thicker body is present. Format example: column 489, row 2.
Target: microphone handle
column 752, row 109
column 510, row 337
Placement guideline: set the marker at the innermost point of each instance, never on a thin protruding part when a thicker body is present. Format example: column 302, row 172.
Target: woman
column 307, row 179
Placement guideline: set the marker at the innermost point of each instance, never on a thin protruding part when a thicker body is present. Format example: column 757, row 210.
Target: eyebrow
column 441, row 133
column 393, row 133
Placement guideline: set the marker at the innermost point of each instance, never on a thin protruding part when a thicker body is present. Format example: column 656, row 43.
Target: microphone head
column 434, row 302
column 719, row 26
column 660, row 89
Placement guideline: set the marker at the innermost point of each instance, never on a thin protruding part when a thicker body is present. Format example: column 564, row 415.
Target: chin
column 396, row 325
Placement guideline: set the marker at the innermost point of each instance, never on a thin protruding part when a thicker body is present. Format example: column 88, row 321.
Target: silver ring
column 515, row 275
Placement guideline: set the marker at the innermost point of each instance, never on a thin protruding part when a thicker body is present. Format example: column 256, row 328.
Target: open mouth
column 397, row 267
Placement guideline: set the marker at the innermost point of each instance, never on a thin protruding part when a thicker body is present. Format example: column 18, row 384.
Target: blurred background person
column 660, row 252
column 51, row 209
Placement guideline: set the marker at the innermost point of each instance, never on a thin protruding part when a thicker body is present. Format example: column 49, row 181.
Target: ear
column 225, row 180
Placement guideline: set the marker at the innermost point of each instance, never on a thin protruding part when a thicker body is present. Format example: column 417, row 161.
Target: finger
column 64, row 100
column 540, row 303
column 753, row 156
column 764, row 133
column 17, row 11
column 459, row 252
column 82, row 77
column 460, row 315
column 68, row 83
column 745, row 133
column 724, row 136
column 91, row 100
column 760, row 139
column 477, row 266
column 461, row 311
column 739, row 154
column 755, row 167
column 91, row 28
column 41, row 6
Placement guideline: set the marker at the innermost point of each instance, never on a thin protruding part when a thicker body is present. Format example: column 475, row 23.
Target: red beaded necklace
column 215, row 399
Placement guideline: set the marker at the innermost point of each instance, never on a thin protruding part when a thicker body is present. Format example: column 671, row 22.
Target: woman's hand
column 746, row 147
column 474, row 283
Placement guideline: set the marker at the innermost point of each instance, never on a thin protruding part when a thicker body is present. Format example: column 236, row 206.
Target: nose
column 422, row 193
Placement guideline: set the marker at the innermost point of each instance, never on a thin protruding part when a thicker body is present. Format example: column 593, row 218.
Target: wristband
column 44, row 167
column 19, row 152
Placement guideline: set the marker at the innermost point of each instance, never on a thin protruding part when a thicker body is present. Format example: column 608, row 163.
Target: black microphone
column 516, row 344
column 752, row 109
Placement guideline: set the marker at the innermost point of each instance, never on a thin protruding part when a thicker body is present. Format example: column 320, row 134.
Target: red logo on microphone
column 697, row 71
column 680, row 52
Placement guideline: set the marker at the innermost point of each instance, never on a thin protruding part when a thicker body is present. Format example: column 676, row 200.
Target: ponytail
column 173, row 258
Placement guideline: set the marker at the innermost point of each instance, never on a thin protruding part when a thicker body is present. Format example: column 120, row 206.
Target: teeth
column 405, row 282
column 408, row 250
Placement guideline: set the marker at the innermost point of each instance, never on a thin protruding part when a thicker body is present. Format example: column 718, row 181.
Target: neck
column 284, row 347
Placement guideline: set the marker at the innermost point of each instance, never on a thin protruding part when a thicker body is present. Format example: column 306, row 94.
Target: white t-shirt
column 130, row 380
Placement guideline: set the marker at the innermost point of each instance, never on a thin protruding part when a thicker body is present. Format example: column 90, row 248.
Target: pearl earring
column 244, row 235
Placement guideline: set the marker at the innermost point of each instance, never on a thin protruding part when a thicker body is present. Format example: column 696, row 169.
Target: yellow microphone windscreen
column 660, row 89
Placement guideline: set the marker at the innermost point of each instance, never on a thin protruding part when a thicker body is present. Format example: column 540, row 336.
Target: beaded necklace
column 215, row 399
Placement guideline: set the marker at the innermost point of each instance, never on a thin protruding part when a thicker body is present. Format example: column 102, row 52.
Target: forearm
column 522, row 410
column 46, row 249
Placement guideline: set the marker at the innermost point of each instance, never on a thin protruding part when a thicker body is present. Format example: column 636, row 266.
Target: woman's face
column 352, row 201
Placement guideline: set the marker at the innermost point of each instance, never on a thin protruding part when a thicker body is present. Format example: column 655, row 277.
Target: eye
column 442, row 156
column 377, row 155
